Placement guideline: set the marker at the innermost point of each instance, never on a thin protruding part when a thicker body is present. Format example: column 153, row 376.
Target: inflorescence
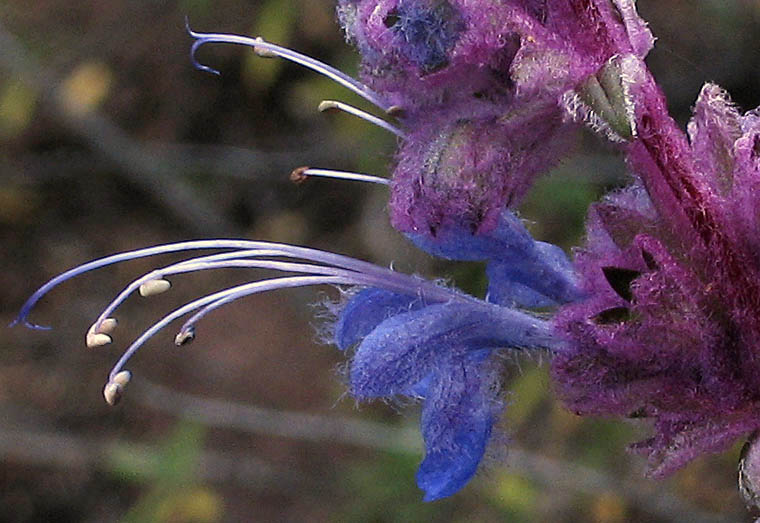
column 657, row 316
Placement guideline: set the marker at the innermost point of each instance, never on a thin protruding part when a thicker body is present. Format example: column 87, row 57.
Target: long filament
column 251, row 288
column 262, row 46
column 334, row 105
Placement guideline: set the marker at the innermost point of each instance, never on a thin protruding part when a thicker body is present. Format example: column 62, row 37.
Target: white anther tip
column 114, row 389
column 184, row 337
column 153, row 287
column 112, row 393
column 122, row 378
column 326, row 105
column 97, row 339
column 107, row 326
column 260, row 51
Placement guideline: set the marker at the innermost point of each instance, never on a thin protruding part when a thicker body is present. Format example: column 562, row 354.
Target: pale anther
column 184, row 337
column 153, row 287
column 97, row 339
column 114, row 389
column 260, row 51
column 107, row 326
column 335, row 106
column 122, row 378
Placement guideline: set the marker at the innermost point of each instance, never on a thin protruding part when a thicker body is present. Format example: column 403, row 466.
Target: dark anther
column 298, row 175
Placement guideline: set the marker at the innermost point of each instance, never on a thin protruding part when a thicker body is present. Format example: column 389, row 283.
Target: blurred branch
column 258, row 420
column 217, row 161
column 154, row 177
column 553, row 473
column 78, row 452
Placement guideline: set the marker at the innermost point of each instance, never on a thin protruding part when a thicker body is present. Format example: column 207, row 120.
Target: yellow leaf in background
column 199, row 505
column 17, row 103
column 17, row 204
column 608, row 508
column 86, row 87
column 516, row 493
column 284, row 226
column 527, row 393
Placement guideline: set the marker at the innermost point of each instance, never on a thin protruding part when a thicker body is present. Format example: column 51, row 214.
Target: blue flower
column 407, row 336
column 441, row 352
column 427, row 34
column 521, row 271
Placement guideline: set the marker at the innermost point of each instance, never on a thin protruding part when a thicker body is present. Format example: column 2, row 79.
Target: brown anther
column 298, row 175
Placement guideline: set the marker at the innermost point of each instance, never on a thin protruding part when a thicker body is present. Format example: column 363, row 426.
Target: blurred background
column 110, row 140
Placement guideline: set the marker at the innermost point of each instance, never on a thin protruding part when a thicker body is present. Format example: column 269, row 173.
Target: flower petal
column 457, row 420
column 521, row 270
column 365, row 310
column 406, row 348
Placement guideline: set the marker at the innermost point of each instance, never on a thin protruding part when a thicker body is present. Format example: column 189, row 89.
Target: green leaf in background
column 275, row 21
column 385, row 491
column 194, row 7
column 527, row 393
column 515, row 494
column 17, row 105
column 172, row 490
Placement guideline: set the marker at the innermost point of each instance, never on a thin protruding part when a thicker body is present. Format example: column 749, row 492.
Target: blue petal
column 542, row 271
column 453, row 242
column 427, row 35
column 366, row 310
column 549, row 281
column 503, row 291
column 457, row 419
column 406, row 348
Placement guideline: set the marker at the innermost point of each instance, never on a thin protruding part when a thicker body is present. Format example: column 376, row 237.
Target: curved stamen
column 250, row 288
column 218, row 261
column 385, row 277
column 351, row 278
column 333, row 105
column 325, row 276
column 261, row 46
column 300, row 175
column 294, row 251
column 401, row 283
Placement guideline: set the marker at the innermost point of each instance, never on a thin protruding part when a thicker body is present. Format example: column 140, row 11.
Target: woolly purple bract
column 478, row 86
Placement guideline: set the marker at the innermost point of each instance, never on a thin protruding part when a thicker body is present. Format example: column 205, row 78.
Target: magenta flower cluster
column 656, row 317
column 477, row 84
